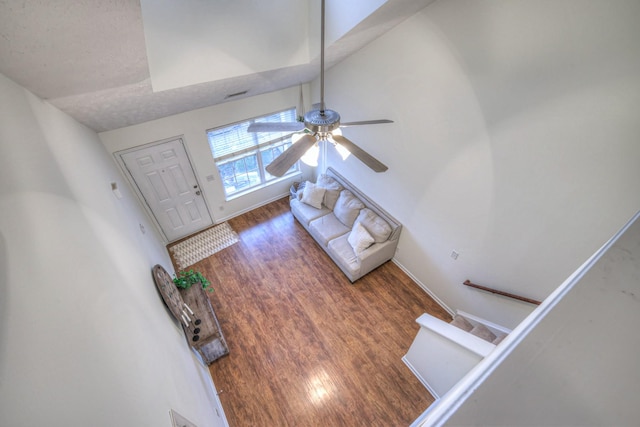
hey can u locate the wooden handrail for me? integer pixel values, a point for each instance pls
(506, 294)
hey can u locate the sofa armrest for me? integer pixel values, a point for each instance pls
(377, 254)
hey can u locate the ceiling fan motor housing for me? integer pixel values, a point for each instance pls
(322, 121)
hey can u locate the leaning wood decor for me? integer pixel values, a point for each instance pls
(206, 336)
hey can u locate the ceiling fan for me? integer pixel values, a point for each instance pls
(318, 125)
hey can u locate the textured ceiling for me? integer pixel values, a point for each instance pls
(89, 59)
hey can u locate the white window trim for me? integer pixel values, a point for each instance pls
(263, 185)
(253, 150)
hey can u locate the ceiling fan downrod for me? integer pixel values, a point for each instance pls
(322, 13)
(319, 125)
(321, 122)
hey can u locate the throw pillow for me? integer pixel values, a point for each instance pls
(359, 238)
(313, 195)
(347, 208)
(333, 188)
(325, 180)
(301, 189)
(379, 229)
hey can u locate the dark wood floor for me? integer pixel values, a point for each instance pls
(307, 347)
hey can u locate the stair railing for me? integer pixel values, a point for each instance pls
(505, 294)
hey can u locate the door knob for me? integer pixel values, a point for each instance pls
(198, 193)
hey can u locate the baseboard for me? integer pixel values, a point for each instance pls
(425, 288)
(419, 377)
(218, 404)
(250, 208)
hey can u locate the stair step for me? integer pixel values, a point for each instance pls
(483, 332)
(462, 323)
(479, 330)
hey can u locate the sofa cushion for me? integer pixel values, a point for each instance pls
(313, 195)
(341, 250)
(379, 229)
(306, 213)
(359, 238)
(333, 189)
(326, 228)
(347, 208)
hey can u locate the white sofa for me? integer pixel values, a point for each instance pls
(355, 232)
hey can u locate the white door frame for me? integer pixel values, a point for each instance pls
(134, 186)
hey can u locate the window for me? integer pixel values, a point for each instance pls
(242, 156)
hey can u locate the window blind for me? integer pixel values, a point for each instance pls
(233, 140)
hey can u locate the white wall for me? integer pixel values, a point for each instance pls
(514, 142)
(194, 42)
(84, 336)
(578, 367)
(192, 127)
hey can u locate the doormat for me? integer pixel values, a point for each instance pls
(203, 245)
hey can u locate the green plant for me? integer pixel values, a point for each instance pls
(184, 280)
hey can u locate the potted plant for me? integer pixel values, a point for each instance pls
(185, 279)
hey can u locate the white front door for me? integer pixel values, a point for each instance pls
(163, 174)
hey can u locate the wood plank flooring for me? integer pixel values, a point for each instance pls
(307, 347)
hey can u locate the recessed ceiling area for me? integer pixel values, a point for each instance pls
(116, 63)
(191, 41)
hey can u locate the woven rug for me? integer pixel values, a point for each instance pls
(203, 245)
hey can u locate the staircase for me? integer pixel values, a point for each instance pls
(442, 353)
(480, 328)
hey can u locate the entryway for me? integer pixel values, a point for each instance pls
(165, 180)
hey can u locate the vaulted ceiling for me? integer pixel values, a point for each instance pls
(106, 66)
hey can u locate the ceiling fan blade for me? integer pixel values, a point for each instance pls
(276, 127)
(364, 157)
(365, 122)
(281, 164)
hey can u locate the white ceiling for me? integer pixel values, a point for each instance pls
(89, 58)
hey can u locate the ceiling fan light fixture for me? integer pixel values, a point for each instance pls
(320, 125)
(310, 158)
(343, 152)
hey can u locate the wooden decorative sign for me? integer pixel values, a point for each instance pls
(169, 292)
(192, 308)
